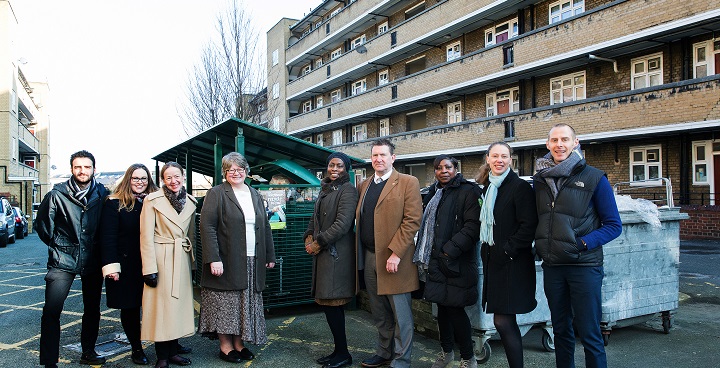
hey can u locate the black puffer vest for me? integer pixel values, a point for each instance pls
(566, 218)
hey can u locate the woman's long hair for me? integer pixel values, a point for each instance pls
(123, 192)
(483, 177)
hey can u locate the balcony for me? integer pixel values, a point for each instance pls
(540, 52)
(664, 110)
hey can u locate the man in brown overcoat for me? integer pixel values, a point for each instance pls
(388, 216)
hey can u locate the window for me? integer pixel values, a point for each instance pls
(706, 58)
(335, 12)
(307, 106)
(276, 124)
(318, 24)
(416, 170)
(335, 96)
(645, 163)
(359, 175)
(454, 112)
(565, 9)
(501, 32)
(647, 71)
(307, 69)
(318, 62)
(415, 65)
(320, 139)
(337, 137)
(567, 88)
(13, 100)
(359, 132)
(336, 54)
(275, 57)
(416, 120)
(319, 102)
(490, 104)
(384, 128)
(382, 28)
(383, 77)
(308, 139)
(29, 161)
(454, 51)
(357, 42)
(359, 87)
(415, 10)
(508, 55)
(702, 162)
(276, 91)
(502, 102)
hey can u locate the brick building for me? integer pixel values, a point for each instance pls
(639, 81)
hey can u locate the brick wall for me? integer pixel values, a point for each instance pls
(704, 222)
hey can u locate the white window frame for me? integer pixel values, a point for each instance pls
(492, 33)
(335, 96)
(335, 12)
(383, 77)
(319, 102)
(490, 105)
(276, 91)
(453, 51)
(337, 137)
(275, 57)
(276, 124)
(384, 127)
(565, 9)
(561, 85)
(709, 63)
(320, 140)
(359, 132)
(357, 42)
(307, 106)
(336, 53)
(646, 163)
(491, 100)
(318, 62)
(454, 112)
(359, 86)
(307, 69)
(359, 175)
(647, 62)
(382, 28)
(704, 163)
(308, 139)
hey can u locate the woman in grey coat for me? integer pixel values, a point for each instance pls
(237, 247)
(331, 240)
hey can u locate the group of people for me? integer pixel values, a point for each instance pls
(138, 239)
(406, 244)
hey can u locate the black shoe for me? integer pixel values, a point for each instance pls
(179, 360)
(90, 357)
(139, 357)
(339, 363)
(233, 356)
(162, 364)
(246, 354)
(326, 359)
(375, 361)
(183, 349)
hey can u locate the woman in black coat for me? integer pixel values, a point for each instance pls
(120, 252)
(508, 220)
(446, 255)
(331, 240)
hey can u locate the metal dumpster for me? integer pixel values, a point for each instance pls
(642, 271)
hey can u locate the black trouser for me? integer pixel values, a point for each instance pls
(166, 349)
(130, 319)
(454, 326)
(57, 287)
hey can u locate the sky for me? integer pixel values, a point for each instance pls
(117, 70)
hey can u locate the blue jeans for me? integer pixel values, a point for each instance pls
(574, 296)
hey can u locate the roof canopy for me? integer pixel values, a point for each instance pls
(268, 152)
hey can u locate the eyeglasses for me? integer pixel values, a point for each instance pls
(235, 171)
(139, 180)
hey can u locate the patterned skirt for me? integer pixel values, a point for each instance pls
(234, 312)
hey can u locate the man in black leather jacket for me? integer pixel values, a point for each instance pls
(67, 221)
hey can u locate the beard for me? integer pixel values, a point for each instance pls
(83, 182)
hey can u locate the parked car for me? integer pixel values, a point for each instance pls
(21, 223)
(7, 223)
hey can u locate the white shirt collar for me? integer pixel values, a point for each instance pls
(379, 179)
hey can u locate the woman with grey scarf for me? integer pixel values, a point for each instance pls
(446, 257)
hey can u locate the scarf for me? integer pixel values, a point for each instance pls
(177, 200)
(328, 186)
(556, 174)
(487, 217)
(426, 237)
(139, 196)
(81, 194)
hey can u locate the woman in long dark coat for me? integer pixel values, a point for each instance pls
(120, 252)
(508, 220)
(237, 248)
(331, 239)
(446, 256)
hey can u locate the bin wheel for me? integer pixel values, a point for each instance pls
(547, 341)
(483, 355)
(606, 338)
(666, 322)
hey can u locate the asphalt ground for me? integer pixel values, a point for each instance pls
(299, 335)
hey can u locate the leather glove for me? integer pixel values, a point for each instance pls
(151, 279)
